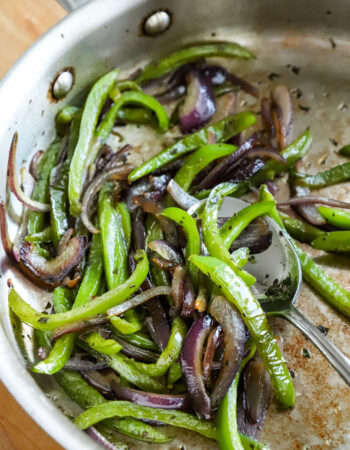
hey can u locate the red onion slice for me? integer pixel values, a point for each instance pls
(199, 104)
(5, 237)
(177, 285)
(181, 197)
(33, 167)
(189, 298)
(213, 340)
(117, 173)
(191, 364)
(243, 84)
(14, 183)
(179, 402)
(282, 114)
(167, 251)
(138, 300)
(313, 200)
(138, 354)
(234, 340)
(100, 439)
(51, 273)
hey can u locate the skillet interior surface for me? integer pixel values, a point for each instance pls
(303, 45)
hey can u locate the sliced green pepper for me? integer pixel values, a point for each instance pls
(211, 234)
(222, 131)
(335, 175)
(126, 222)
(63, 347)
(82, 155)
(180, 57)
(169, 355)
(193, 245)
(226, 419)
(106, 346)
(123, 365)
(100, 304)
(41, 188)
(345, 151)
(59, 178)
(198, 160)
(86, 396)
(334, 241)
(93, 273)
(139, 340)
(300, 230)
(336, 217)
(237, 223)
(63, 119)
(133, 97)
(126, 409)
(42, 236)
(115, 255)
(240, 257)
(237, 292)
(139, 116)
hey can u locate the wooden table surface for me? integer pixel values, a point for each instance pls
(21, 23)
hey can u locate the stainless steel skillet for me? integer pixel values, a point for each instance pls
(292, 41)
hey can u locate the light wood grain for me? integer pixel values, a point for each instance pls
(21, 23)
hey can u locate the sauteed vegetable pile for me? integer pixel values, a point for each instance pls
(155, 319)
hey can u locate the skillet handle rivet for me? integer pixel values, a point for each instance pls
(63, 84)
(157, 23)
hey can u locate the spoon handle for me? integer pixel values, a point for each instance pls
(335, 357)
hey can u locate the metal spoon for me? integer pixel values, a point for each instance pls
(280, 262)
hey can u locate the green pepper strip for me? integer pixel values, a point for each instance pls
(175, 373)
(169, 355)
(93, 273)
(334, 241)
(345, 151)
(335, 175)
(154, 231)
(115, 252)
(237, 223)
(42, 236)
(126, 409)
(222, 131)
(106, 346)
(240, 257)
(125, 367)
(336, 217)
(100, 304)
(59, 178)
(300, 230)
(211, 234)
(63, 347)
(139, 340)
(139, 116)
(41, 188)
(226, 420)
(126, 222)
(86, 396)
(206, 50)
(198, 160)
(113, 241)
(237, 292)
(315, 276)
(82, 153)
(141, 98)
(193, 246)
(63, 119)
(291, 155)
